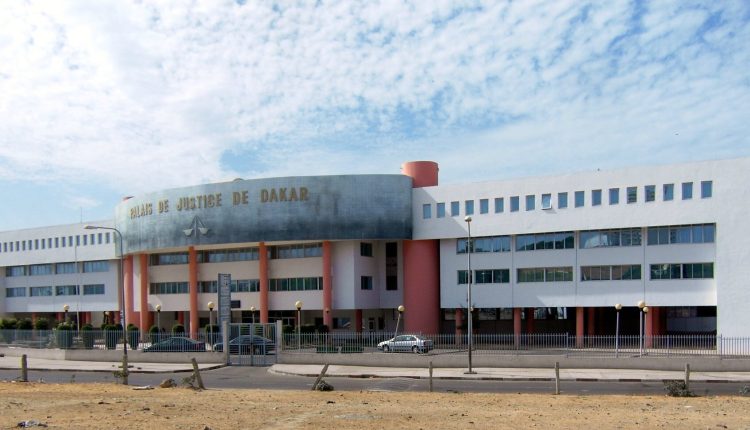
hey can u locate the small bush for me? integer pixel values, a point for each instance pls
(178, 329)
(745, 390)
(24, 324)
(677, 389)
(9, 324)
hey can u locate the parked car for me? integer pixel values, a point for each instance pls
(247, 343)
(406, 343)
(176, 344)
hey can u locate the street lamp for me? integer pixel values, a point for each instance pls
(106, 317)
(644, 343)
(468, 288)
(122, 300)
(66, 308)
(252, 312)
(298, 305)
(158, 318)
(401, 310)
(641, 306)
(211, 321)
(618, 307)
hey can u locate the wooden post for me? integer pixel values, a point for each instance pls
(24, 369)
(557, 377)
(197, 374)
(125, 369)
(430, 376)
(687, 376)
(320, 376)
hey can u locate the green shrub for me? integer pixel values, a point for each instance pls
(88, 336)
(677, 388)
(41, 324)
(134, 335)
(24, 324)
(112, 335)
(64, 335)
(178, 329)
(9, 324)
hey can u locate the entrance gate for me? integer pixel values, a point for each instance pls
(252, 344)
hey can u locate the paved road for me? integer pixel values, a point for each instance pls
(261, 378)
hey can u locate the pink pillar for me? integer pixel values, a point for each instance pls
(649, 328)
(328, 286)
(146, 316)
(193, 285)
(517, 325)
(529, 320)
(357, 320)
(263, 276)
(459, 326)
(579, 327)
(181, 318)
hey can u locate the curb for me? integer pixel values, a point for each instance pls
(114, 368)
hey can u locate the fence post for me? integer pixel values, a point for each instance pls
(687, 376)
(430, 376)
(720, 345)
(557, 377)
(320, 376)
(197, 374)
(24, 369)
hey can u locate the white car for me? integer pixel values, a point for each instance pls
(406, 343)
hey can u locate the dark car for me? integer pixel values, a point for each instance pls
(176, 344)
(247, 343)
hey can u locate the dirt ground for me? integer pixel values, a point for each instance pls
(109, 406)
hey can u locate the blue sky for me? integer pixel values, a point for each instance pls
(99, 100)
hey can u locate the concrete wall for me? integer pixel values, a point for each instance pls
(113, 355)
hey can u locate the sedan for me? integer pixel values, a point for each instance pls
(176, 344)
(406, 343)
(244, 344)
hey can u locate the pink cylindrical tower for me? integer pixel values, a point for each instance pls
(421, 264)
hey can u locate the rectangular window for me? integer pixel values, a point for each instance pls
(95, 266)
(229, 255)
(15, 271)
(40, 269)
(85, 240)
(469, 206)
(650, 192)
(66, 290)
(366, 283)
(484, 244)
(36, 243)
(441, 210)
(514, 204)
(562, 200)
(545, 274)
(698, 233)
(78, 240)
(462, 277)
(499, 205)
(484, 206)
(530, 203)
(169, 288)
(546, 201)
(579, 199)
(492, 276)
(57, 242)
(93, 289)
(632, 193)
(61, 268)
(99, 238)
(15, 292)
(426, 211)
(706, 189)
(40, 291)
(365, 249)
(455, 209)
(106, 236)
(614, 196)
(530, 242)
(169, 258)
(391, 266)
(668, 191)
(687, 190)
(682, 271)
(596, 197)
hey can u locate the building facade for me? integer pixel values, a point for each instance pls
(545, 255)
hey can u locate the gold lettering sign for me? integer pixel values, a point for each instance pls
(290, 194)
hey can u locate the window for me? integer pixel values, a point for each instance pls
(545, 274)
(66, 290)
(391, 266)
(455, 209)
(93, 289)
(492, 276)
(306, 250)
(579, 199)
(614, 196)
(546, 201)
(469, 206)
(441, 210)
(614, 273)
(40, 269)
(632, 193)
(698, 233)
(650, 192)
(609, 238)
(484, 244)
(530, 242)
(295, 284)
(562, 200)
(85, 240)
(462, 277)
(15, 292)
(682, 271)
(169, 288)
(426, 211)
(687, 190)
(366, 283)
(514, 204)
(106, 236)
(484, 206)
(596, 197)
(499, 205)
(229, 255)
(668, 191)
(706, 189)
(530, 203)
(95, 266)
(169, 258)
(40, 291)
(365, 249)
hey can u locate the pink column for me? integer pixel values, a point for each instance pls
(459, 326)
(193, 285)
(529, 320)
(263, 279)
(579, 327)
(146, 316)
(328, 286)
(357, 320)
(517, 325)
(649, 328)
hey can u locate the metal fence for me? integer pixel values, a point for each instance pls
(510, 344)
(109, 339)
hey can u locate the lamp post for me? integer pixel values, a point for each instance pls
(122, 300)
(401, 310)
(158, 318)
(211, 321)
(468, 288)
(106, 317)
(298, 305)
(618, 307)
(641, 305)
(645, 312)
(65, 309)
(252, 312)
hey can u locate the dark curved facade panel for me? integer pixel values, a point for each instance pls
(272, 209)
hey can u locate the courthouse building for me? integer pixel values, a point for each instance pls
(550, 254)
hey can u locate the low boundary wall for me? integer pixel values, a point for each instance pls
(134, 356)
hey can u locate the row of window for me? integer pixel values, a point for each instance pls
(59, 290)
(56, 242)
(591, 273)
(579, 199)
(241, 254)
(236, 286)
(58, 268)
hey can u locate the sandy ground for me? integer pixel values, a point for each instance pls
(109, 406)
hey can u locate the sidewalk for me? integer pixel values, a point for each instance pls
(13, 363)
(510, 374)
